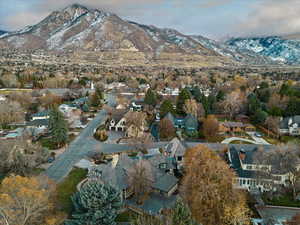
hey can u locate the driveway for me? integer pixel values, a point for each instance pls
(258, 140)
(231, 139)
(114, 136)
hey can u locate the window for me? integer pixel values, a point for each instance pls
(249, 167)
(179, 158)
(163, 166)
(244, 182)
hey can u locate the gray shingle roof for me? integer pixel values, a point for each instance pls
(175, 148)
(37, 123)
(165, 183)
(154, 204)
(284, 123)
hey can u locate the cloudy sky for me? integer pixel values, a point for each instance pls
(212, 18)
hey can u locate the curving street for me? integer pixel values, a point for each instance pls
(81, 146)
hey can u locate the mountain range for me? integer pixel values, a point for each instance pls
(79, 28)
(2, 32)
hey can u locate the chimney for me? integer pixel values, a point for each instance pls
(114, 161)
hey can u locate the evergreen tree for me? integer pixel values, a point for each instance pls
(293, 107)
(58, 127)
(253, 104)
(220, 96)
(150, 98)
(166, 107)
(259, 117)
(183, 95)
(95, 204)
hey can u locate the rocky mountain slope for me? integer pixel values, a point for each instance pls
(79, 27)
(241, 55)
(107, 37)
(2, 32)
(285, 50)
(104, 37)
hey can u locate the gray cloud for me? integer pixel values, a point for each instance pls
(41, 9)
(271, 17)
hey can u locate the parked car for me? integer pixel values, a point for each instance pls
(258, 134)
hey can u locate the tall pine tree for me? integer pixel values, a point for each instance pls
(58, 127)
(150, 98)
(95, 204)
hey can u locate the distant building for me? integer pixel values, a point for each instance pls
(41, 115)
(290, 125)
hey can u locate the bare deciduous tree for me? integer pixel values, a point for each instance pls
(233, 103)
(11, 111)
(140, 178)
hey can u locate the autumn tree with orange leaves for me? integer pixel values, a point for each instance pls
(295, 220)
(27, 201)
(208, 189)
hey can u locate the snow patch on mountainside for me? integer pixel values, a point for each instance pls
(277, 48)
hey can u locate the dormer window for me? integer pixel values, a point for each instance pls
(163, 165)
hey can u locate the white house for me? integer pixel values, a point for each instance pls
(66, 109)
(290, 125)
(2, 98)
(41, 115)
(242, 161)
(118, 121)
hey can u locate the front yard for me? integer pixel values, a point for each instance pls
(68, 187)
(284, 200)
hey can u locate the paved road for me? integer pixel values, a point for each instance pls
(81, 146)
(76, 150)
(258, 140)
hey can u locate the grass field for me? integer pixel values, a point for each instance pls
(68, 187)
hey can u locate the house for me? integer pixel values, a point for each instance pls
(117, 174)
(117, 120)
(19, 132)
(178, 122)
(37, 127)
(2, 98)
(80, 101)
(235, 127)
(176, 149)
(241, 160)
(137, 129)
(274, 215)
(41, 115)
(190, 124)
(67, 109)
(39, 123)
(136, 106)
(290, 125)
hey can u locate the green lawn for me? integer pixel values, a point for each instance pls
(285, 200)
(287, 139)
(47, 143)
(68, 187)
(240, 142)
(125, 216)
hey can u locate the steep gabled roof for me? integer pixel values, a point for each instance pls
(118, 114)
(176, 148)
